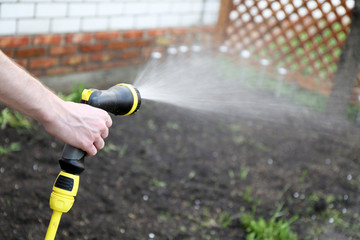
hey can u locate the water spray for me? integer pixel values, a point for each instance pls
(282, 72)
(121, 99)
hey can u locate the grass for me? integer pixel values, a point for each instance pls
(14, 119)
(12, 147)
(74, 95)
(275, 228)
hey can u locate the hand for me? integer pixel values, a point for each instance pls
(80, 126)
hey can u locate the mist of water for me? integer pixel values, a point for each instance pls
(191, 78)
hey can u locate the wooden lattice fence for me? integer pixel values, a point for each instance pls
(303, 36)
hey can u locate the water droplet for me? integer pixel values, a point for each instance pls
(35, 167)
(264, 62)
(184, 49)
(270, 161)
(302, 196)
(122, 230)
(16, 186)
(331, 220)
(245, 54)
(156, 55)
(53, 144)
(2, 170)
(172, 51)
(282, 71)
(349, 177)
(296, 195)
(313, 217)
(151, 235)
(344, 210)
(331, 205)
(197, 202)
(328, 161)
(346, 197)
(145, 197)
(223, 49)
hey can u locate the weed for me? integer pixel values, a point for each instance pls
(243, 173)
(156, 184)
(172, 126)
(192, 175)
(74, 95)
(225, 219)
(273, 229)
(13, 119)
(13, 147)
(121, 150)
(231, 173)
(303, 176)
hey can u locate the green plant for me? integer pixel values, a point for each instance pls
(12, 118)
(74, 95)
(225, 219)
(273, 229)
(303, 176)
(13, 147)
(243, 172)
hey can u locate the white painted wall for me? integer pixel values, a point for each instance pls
(62, 16)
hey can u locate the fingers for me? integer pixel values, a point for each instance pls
(91, 151)
(99, 143)
(104, 133)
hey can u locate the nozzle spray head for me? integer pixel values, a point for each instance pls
(122, 99)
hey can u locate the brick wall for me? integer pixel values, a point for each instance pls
(56, 54)
(56, 37)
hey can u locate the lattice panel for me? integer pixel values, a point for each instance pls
(302, 36)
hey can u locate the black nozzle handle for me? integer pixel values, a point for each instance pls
(72, 160)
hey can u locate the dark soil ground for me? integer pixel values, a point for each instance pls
(168, 173)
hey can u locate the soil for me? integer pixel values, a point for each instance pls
(169, 173)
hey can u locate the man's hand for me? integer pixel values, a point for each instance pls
(80, 126)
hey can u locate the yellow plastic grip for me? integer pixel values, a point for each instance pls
(85, 95)
(135, 96)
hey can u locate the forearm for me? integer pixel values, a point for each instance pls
(79, 125)
(22, 92)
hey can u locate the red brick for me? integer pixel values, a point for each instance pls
(157, 32)
(137, 61)
(118, 45)
(30, 52)
(102, 57)
(36, 73)
(142, 43)
(90, 67)
(59, 71)
(8, 52)
(43, 63)
(133, 34)
(78, 37)
(47, 39)
(178, 31)
(22, 62)
(107, 35)
(74, 60)
(130, 54)
(91, 47)
(14, 41)
(62, 50)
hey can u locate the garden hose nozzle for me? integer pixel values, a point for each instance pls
(121, 99)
